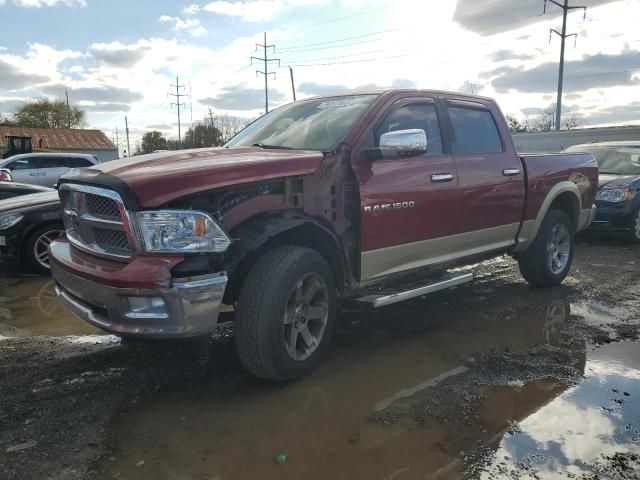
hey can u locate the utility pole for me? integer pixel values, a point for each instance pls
(66, 94)
(266, 71)
(211, 117)
(191, 104)
(563, 36)
(293, 85)
(117, 142)
(126, 126)
(178, 104)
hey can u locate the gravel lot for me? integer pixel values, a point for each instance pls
(490, 379)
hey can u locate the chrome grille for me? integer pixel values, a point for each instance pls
(102, 206)
(110, 238)
(95, 220)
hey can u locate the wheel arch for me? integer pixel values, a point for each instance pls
(264, 232)
(564, 196)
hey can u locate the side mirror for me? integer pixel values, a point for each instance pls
(404, 143)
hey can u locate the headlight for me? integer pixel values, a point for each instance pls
(181, 231)
(613, 195)
(9, 221)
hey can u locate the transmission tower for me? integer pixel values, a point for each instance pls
(563, 36)
(178, 104)
(266, 71)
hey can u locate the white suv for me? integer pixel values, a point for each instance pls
(45, 168)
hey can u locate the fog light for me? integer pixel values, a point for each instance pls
(147, 307)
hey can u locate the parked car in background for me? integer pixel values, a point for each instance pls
(5, 175)
(14, 189)
(363, 196)
(45, 168)
(28, 224)
(618, 199)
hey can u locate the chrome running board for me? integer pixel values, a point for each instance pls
(442, 282)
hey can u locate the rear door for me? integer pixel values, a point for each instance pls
(52, 168)
(24, 170)
(409, 205)
(490, 177)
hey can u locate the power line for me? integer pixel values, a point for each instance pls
(563, 36)
(266, 71)
(178, 104)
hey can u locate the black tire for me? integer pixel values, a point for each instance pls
(266, 296)
(534, 262)
(633, 235)
(29, 256)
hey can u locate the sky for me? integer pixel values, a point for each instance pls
(119, 57)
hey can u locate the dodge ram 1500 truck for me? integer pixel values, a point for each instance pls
(368, 197)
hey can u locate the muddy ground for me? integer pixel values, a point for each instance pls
(493, 379)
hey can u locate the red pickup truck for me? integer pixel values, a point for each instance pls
(370, 197)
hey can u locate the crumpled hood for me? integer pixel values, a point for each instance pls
(26, 202)
(158, 178)
(617, 181)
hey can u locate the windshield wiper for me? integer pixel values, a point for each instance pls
(272, 147)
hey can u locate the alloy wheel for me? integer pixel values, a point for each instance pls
(305, 317)
(41, 247)
(558, 248)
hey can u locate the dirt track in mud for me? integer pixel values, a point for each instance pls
(491, 379)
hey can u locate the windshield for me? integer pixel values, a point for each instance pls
(308, 125)
(614, 160)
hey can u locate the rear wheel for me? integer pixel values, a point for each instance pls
(285, 313)
(634, 232)
(36, 248)
(548, 259)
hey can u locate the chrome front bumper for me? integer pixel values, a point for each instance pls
(186, 309)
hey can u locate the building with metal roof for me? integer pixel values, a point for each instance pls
(72, 140)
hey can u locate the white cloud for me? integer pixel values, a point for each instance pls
(191, 9)
(256, 10)
(48, 3)
(190, 25)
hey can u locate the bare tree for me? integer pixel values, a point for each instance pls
(572, 122)
(228, 125)
(548, 120)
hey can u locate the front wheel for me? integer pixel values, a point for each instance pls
(285, 313)
(36, 247)
(548, 259)
(634, 232)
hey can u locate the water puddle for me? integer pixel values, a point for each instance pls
(402, 403)
(588, 430)
(28, 307)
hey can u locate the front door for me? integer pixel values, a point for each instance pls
(409, 205)
(490, 178)
(24, 170)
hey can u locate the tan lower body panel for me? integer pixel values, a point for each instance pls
(399, 258)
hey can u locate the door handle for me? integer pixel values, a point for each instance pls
(441, 177)
(35, 174)
(510, 172)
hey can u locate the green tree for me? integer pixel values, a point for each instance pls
(202, 135)
(152, 141)
(45, 113)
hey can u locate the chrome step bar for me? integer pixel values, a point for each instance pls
(445, 281)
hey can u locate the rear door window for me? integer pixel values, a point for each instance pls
(78, 162)
(474, 131)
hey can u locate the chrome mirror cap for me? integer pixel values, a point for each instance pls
(404, 142)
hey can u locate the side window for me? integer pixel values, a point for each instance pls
(78, 162)
(474, 131)
(54, 162)
(418, 115)
(22, 164)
